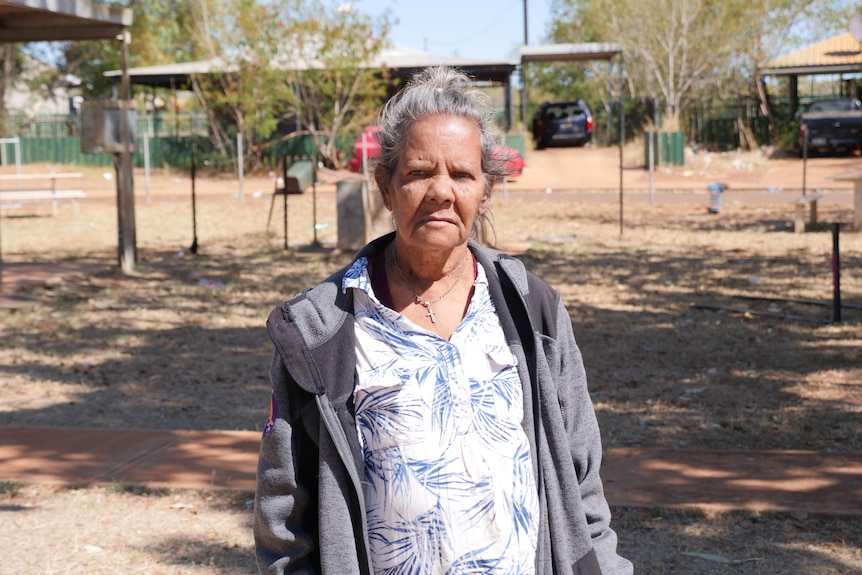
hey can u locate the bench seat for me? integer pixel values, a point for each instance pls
(809, 200)
(16, 198)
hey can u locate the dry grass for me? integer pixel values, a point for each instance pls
(180, 344)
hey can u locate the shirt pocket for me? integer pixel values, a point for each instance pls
(499, 357)
(499, 375)
(391, 414)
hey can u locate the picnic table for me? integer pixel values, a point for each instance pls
(15, 197)
(856, 178)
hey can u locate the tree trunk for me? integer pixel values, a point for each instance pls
(7, 54)
(765, 105)
(747, 141)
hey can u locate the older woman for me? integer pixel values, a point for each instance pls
(430, 412)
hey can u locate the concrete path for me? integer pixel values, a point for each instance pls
(797, 481)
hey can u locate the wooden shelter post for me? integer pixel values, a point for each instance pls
(127, 251)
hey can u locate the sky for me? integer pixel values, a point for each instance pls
(487, 29)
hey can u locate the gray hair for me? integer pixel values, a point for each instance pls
(438, 91)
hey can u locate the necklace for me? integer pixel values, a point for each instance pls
(425, 303)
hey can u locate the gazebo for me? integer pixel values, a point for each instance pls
(840, 54)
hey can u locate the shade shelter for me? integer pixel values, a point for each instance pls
(60, 20)
(580, 52)
(840, 54)
(400, 61)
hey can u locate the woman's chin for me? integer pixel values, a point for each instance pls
(439, 235)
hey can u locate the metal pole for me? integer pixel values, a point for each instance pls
(18, 160)
(147, 164)
(194, 247)
(804, 155)
(836, 274)
(622, 131)
(364, 153)
(240, 162)
(284, 183)
(524, 96)
(652, 137)
(313, 199)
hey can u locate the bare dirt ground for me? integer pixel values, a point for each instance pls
(180, 344)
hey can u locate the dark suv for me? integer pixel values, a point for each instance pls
(562, 124)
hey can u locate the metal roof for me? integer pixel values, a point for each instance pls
(55, 20)
(569, 52)
(171, 75)
(837, 55)
(400, 61)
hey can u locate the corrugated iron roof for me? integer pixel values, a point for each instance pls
(569, 52)
(394, 57)
(839, 54)
(51, 20)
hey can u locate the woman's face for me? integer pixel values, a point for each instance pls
(437, 189)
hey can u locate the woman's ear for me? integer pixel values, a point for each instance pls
(381, 178)
(489, 185)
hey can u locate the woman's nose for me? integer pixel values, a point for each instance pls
(441, 188)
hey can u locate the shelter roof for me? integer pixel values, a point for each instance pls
(836, 55)
(401, 61)
(570, 52)
(55, 20)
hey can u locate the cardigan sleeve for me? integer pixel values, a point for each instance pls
(283, 544)
(586, 447)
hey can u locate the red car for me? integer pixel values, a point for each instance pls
(372, 148)
(514, 161)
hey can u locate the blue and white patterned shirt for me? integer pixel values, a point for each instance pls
(450, 486)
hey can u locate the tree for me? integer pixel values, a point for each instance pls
(332, 83)
(288, 59)
(237, 36)
(673, 48)
(775, 26)
(10, 55)
(273, 60)
(683, 51)
(592, 81)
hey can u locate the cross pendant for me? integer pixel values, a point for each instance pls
(430, 311)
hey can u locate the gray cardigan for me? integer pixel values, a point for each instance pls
(309, 514)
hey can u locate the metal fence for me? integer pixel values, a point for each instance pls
(173, 138)
(164, 124)
(720, 126)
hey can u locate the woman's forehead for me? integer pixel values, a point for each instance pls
(443, 130)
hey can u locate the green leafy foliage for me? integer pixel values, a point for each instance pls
(288, 68)
(332, 83)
